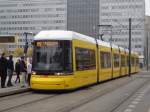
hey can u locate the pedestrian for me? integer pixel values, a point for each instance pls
(17, 70)
(10, 70)
(3, 69)
(29, 69)
(23, 70)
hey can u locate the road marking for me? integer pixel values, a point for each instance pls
(142, 92)
(149, 110)
(135, 102)
(137, 99)
(140, 96)
(128, 110)
(131, 106)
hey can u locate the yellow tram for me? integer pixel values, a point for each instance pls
(65, 60)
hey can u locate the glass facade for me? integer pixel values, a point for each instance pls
(83, 16)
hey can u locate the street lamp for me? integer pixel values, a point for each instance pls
(109, 26)
(130, 33)
(101, 36)
(26, 42)
(147, 50)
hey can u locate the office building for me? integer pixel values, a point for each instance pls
(83, 16)
(117, 14)
(19, 16)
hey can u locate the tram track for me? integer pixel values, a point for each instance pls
(27, 103)
(128, 97)
(14, 96)
(69, 107)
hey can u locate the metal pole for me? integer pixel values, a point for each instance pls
(111, 35)
(101, 35)
(129, 47)
(147, 50)
(26, 44)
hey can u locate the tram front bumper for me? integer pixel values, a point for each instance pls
(50, 83)
(47, 83)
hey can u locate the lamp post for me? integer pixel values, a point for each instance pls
(109, 26)
(147, 50)
(26, 42)
(129, 47)
(101, 36)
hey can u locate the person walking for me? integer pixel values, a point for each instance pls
(23, 70)
(10, 70)
(3, 69)
(29, 70)
(17, 70)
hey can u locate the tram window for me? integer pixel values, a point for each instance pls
(85, 59)
(127, 60)
(137, 61)
(105, 60)
(132, 61)
(123, 61)
(42, 56)
(116, 60)
(52, 56)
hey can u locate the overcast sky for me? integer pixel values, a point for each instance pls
(147, 2)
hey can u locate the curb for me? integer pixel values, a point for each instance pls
(14, 91)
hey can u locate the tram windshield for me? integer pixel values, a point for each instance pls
(52, 56)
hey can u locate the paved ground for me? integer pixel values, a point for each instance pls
(16, 88)
(120, 95)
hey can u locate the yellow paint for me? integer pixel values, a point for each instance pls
(84, 77)
(123, 69)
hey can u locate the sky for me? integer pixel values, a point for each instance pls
(147, 4)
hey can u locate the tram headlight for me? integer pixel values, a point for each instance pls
(33, 73)
(59, 74)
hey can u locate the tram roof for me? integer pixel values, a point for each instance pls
(67, 35)
(115, 46)
(70, 35)
(62, 35)
(103, 43)
(122, 49)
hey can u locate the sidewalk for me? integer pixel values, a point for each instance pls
(15, 89)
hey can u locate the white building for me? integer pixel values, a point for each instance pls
(117, 14)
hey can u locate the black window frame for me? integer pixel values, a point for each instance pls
(105, 63)
(83, 64)
(123, 60)
(46, 72)
(116, 62)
